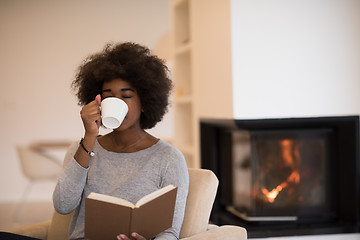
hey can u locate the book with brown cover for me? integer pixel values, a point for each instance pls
(107, 216)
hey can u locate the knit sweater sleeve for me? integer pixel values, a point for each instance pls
(69, 188)
(176, 174)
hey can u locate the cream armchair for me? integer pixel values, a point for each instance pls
(202, 192)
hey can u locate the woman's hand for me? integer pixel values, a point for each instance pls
(90, 115)
(134, 235)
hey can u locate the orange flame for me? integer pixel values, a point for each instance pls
(270, 196)
(294, 177)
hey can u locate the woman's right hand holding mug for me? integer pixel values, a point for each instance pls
(90, 115)
(91, 118)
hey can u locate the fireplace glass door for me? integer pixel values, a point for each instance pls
(284, 175)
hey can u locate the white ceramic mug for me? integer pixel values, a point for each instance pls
(113, 112)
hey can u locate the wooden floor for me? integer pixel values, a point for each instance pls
(30, 212)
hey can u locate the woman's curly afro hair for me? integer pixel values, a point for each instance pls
(132, 63)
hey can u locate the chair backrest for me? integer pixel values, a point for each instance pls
(37, 166)
(202, 191)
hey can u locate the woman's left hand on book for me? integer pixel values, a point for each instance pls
(134, 235)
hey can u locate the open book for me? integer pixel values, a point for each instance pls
(107, 216)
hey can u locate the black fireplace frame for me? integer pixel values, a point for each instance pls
(215, 145)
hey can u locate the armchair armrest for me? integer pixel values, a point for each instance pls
(226, 232)
(36, 230)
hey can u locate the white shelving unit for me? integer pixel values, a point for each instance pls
(183, 104)
(201, 69)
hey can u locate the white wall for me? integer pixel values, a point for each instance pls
(42, 43)
(295, 58)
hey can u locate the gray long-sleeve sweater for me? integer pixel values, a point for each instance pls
(126, 175)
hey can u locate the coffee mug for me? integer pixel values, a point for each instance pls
(113, 112)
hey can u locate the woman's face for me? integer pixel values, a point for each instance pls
(121, 89)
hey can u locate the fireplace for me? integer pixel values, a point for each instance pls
(281, 177)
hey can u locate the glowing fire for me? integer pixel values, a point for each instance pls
(291, 157)
(270, 196)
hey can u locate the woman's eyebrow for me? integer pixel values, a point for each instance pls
(122, 90)
(127, 89)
